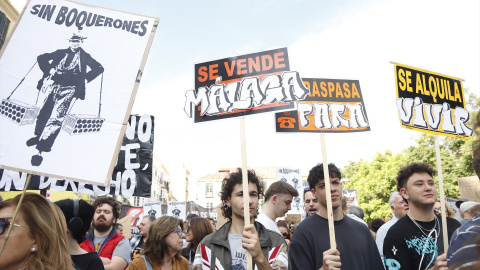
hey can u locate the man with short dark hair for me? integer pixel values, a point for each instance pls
(112, 247)
(278, 201)
(399, 210)
(226, 248)
(416, 241)
(137, 242)
(310, 202)
(310, 246)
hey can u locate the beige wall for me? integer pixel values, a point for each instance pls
(11, 13)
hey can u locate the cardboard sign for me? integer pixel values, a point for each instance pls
(69, 75)
(332, 106)
(132, 175)
(431, 102)
(294, 178)
(243, 85)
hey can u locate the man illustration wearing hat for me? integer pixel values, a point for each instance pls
(65, 73)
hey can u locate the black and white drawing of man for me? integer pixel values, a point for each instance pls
(176, 212)
(65, 73)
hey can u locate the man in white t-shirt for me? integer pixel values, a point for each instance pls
(278, 200)
(399, 209)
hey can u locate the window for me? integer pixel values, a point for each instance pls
(136, 201)
(209, 190)
(209, 205)
(4, 23)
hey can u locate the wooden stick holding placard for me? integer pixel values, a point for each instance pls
(442, 194)
(246, 197)
(328, 194)
(15, 213)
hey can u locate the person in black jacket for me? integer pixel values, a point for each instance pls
(65, 73)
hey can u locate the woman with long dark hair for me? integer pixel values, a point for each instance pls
(196, 231)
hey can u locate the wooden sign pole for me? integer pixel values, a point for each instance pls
(246, 196)
(442, 194)
(15, 213)
(326, 173)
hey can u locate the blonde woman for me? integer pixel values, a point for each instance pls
(163, 246)
(38, 236)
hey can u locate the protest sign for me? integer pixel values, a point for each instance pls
(153, 209)
(176, 209)
(294, 178)
(431, 102)
(135, 213)
(69, 79)
(350, 196)
(132, 175)
(332, 106)
(244, 85)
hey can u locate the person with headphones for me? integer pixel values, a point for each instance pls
(79, 215)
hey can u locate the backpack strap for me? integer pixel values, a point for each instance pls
(149, 266)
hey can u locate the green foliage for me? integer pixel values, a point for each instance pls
(375, 180)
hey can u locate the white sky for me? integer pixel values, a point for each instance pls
(325, 39)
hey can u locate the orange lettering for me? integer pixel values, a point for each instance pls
(203, 74)
(241, 66)
(265, 65)
(279, 60)
(331, 88)
(229, 69)
(254, 64)
(213, 70)
(338, 91)
(323, 86)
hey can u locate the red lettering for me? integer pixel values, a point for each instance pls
(213, 71)
(267, 66)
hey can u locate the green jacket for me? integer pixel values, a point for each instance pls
(216, 245)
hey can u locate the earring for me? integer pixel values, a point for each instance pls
(33, 249)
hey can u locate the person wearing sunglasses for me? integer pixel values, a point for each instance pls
(162, 247)
(284, 230)
(37, 237)
(196, 231)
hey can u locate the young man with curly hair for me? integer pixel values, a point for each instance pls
(226, 248)
(415, 241)
(310, 246)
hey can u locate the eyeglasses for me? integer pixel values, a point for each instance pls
(180, 232)
(437, 210)
(4, 224)
(285, 234)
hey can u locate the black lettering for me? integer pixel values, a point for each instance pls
(48, 12)
(35, 10)
(135, 27)
(127, 25)
(117, 24)
(71, 17)
(90, 20)
(80, 21)
(61, 15)
(108, 22)
(144, 28)
(41, 11)
(100, 20)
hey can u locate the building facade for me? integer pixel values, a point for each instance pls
(8, 16)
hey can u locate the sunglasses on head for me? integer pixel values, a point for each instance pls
(4, 224)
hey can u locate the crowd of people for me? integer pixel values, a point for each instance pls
(72, 234)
